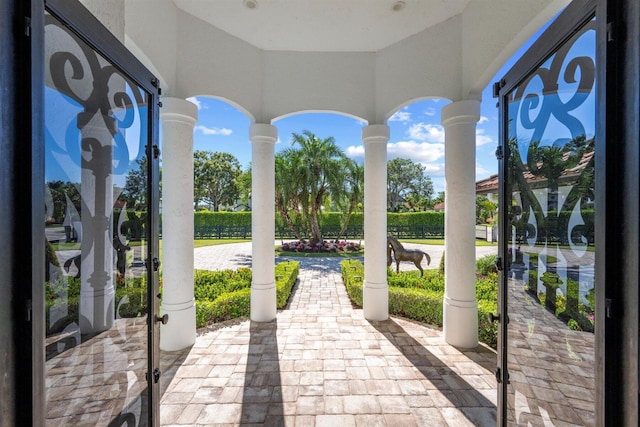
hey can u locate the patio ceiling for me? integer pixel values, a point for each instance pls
(323, 25)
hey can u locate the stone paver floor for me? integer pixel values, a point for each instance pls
(320, 363)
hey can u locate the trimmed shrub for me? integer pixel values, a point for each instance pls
(487, 331)
(225, 295)
(486, 265)
(421, 298)
(353, 276)
(286, 276)
(423, 305)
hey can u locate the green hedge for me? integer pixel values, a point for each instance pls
(421, 298)
(352, 277)
(328, 219)
(224, 295)
(411, 219)
(229, 219)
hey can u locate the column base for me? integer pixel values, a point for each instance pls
(263, 302)
(460, 323)
(180, 330)
(375, 301)
(97, 313)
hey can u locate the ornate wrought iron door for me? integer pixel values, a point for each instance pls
(101, 210)
(547, 295)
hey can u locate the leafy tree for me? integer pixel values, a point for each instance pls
(308, 173)
(407, 183)
(438, 199)
(58, 190)
(135, 187)
(244, 189)
(215, 178)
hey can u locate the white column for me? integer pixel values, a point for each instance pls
(263, 286)
(178, 117)
(97, 293)
(460, 316)
(375, 294)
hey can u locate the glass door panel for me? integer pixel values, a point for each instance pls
(550, 248)
(96, 194)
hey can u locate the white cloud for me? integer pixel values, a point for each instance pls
(429, 155)
(401, 116)
(355, 151)
(482, 138)
(213, 131)
(430, 111)
(421, 152)
(426, 132)
(434, 169)
(196, 101)
(483, 119)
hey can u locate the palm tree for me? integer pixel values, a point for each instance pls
(354, 191)
(305, 176)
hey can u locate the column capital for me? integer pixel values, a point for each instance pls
(375, 133)
(467, 111)
(178, 110)
(263, 132)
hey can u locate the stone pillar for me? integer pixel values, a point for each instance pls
(178, 118)
(460, 314)
(375, 294)
(263, 286)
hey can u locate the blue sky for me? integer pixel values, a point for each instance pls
(416, 132)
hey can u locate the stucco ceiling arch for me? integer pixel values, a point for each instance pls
(442, 102)
(238, 106)
(361, 120)
(453, 57)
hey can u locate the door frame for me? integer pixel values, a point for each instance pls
(558, 32)
(617, 148)
(23, 31)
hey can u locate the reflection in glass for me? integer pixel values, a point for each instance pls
(96, 280)
(550, 185)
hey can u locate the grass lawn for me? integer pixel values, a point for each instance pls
(213, 242)
(441, 242)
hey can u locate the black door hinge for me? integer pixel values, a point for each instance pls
(498, 373)
(156, 264)
(608, 312)
(499, 152)
(610, 32)
(28, 306)
(156, 375)
(497, 86)
(156, 152)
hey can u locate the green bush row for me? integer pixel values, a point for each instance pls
(328, 219)
(63, 295)
(225, 295)
(421, 298)
(219, 295)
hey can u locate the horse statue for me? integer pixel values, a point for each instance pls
(402, 254)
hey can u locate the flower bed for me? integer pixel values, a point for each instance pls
(328, 246)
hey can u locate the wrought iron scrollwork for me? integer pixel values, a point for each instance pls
(546, 104)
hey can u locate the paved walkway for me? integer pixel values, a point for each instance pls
(320, 363)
